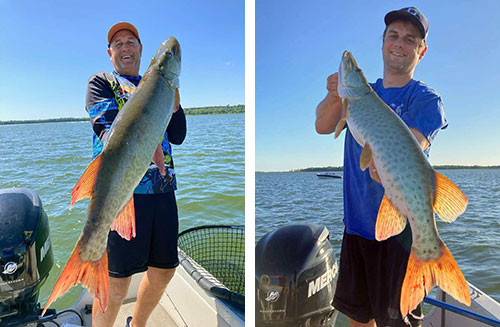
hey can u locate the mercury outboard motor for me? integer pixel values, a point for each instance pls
(25, 255)
(296, 276)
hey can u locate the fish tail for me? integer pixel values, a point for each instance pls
(422, 275)
(91, 274)
(124, 223)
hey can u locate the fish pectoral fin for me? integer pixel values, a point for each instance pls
(374, 174)
(84, 188)
(124, 223)
(366, 160)
(450, 202)
(91, 274)
(390, 221)
(422, 275)
(343, 119)
(366, 157)
(159, 160)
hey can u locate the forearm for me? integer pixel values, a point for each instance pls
(421, 139)
(328, 114)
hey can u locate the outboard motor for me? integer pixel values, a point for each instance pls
(25, 255)
(296, 277)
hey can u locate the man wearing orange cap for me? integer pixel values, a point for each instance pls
(154, 249)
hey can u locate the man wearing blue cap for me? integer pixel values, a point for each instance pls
(371, 272)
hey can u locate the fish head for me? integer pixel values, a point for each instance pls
(168, 59)
(352, 82)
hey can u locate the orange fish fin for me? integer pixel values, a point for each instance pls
(159, 160)
(450, 202)
(85, 185)
(91, 274)
(366, 157)
(124, 223)
(343, 120)
(389, 221)
(422, 275)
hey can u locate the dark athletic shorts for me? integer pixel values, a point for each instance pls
(370, 277)
(155, 244)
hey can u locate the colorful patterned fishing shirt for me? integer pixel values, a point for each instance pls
(107, 93)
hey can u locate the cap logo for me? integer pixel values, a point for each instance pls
(414, 11)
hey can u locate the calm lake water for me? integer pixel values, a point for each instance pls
(49, 158)
(474, 238)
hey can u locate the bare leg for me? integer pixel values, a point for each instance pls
(150, 291)
(354, 323)
(118, 288)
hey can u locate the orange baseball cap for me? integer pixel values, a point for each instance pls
(122, 26)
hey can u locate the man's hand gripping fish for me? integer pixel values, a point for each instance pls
(111, 178)
(413, 189)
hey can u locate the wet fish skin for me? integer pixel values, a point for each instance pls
(413, 189)
(111, 178)
(135, 134)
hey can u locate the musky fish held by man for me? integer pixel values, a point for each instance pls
(111, 178)
(413, 189)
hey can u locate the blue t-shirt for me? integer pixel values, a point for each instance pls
(420, 107)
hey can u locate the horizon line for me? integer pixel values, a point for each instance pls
(341, 168)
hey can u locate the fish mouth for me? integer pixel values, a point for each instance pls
(169, 60)
(345, 69)
(352, 82)
(176, 49)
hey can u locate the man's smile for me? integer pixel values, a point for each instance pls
(397, 53)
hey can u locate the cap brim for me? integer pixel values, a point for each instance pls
(122, 26)
(405, 16)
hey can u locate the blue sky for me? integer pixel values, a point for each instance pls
(51, 48)
(298, 44)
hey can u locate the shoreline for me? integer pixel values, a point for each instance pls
(197, 111)
(337, 169)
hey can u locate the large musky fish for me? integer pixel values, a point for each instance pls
(111, 178)
(413, 189)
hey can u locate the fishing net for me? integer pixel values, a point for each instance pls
(215, 257)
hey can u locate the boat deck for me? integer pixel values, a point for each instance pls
(159, 317)
(183, 304)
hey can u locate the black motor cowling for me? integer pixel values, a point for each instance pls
(296, 276)
(25, 254)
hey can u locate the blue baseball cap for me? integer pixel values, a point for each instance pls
(411, 14)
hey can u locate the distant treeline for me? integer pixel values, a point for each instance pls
(217, 110)
(239, 109)
(330, 168)
(465, 167)
(36, 121)
(320, 169)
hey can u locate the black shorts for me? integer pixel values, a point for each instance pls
(155, 244)
(370, 277)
